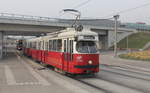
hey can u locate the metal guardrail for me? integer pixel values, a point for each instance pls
(26, 17)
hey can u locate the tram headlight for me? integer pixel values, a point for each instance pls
(90, 62)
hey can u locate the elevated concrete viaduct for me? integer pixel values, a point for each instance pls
(11, 24)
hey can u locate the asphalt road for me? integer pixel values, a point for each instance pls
(19, 74)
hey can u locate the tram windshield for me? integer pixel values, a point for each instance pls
(86, 47)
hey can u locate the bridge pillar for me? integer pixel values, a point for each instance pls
(1, 45)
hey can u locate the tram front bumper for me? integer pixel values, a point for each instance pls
(86, 66)
(86, 69)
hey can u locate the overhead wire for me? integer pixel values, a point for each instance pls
(77, 6)
(128, 10)
(120, 12)
(82, 4)
(111, 15)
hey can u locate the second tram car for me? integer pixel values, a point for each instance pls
(19, 45)
(70, 51)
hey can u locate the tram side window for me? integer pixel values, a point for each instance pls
(65, 50)
(43, 45)
(39, 45)
(59, 45)
(34, 45)
(54, 45)
(50, 44)
(26, 44)
(71, 46)
(46, 45)
(71, 50)
(29, 44)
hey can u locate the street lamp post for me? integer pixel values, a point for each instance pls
(116, 30)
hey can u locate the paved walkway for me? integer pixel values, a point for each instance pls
(109, 59)
(17, 76)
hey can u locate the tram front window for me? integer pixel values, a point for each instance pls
(86, 47)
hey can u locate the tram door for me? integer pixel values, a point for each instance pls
(68, 54)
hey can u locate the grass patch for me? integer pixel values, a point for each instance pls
(142, 55)
(135, 41)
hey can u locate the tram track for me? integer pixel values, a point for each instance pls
(125, 81)
(126, 75)
(78, 80)
(97, 87)
(130, 71)
(81, 82)
(120, 84)
(93, 86)
(124, 71)
(126, 68)
(103, 89)
(109, 88)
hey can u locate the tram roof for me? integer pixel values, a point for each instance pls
(69, 32)
(73, 32)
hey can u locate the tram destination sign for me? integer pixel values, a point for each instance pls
(89, 37)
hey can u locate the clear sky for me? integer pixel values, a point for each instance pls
(93, 9)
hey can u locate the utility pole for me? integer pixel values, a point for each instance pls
(116, 30)
(127, 43)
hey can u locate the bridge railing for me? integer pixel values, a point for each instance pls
(26, 17)
(52, 21)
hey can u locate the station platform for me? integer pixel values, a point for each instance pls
(17, 76)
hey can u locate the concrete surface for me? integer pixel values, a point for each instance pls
(19, 77)
(19, 74)
(109, 59)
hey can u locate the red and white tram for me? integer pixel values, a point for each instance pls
(70, 51)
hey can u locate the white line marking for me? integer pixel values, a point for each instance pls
(28, 83)
(9, 76)
(41, 80)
